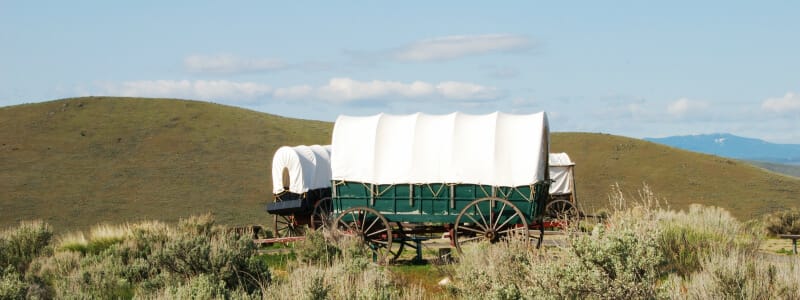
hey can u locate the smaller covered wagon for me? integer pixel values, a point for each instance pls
(563, 199)
(301, 186)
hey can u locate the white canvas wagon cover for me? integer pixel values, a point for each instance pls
(561, 173)
(309, 168)
(495, 149)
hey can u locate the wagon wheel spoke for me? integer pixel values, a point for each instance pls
(476, 222)
(491, 213)
(370, 225)
(376, 232)
(342, 224)
(480, 213)
(500, 214)
(473, 230)
(379, 242)
(507, 220)
(285, 226)
(356, 224)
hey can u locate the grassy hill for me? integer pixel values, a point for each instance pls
(680, 177)
(78, 162)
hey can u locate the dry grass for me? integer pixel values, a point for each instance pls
(738, 274)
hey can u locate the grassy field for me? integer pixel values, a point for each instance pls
(78, 162)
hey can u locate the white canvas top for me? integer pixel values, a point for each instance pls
(496, 149)
(561, 173)
(560, 160)
(309, 168)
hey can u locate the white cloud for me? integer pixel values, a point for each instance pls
(340, 90)
(685, 106)
(337, 90)
(788, 103)
(299, 91)
(465, 91)
(346, 89)
(226, 63)
(456, 46)
(198, 89)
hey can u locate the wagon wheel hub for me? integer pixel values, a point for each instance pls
(491, 235)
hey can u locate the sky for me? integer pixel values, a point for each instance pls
(631, 68)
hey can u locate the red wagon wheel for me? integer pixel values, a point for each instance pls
(491, 220)
(287, 226)
(320, 216)
(561, 209)
(372, 228)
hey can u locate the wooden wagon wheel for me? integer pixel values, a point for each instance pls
(400, 239)
(561, 209)
(321, 215)
(286, 226)
(369, 226)
(489, 219)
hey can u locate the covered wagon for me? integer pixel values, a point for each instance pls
(478, 177)
(563, 197)
(301, 186)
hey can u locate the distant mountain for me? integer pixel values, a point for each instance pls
(731, 146)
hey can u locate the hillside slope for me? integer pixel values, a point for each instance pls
(77, 162)
(676, 176)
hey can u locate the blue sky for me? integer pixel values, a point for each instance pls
(632, 68)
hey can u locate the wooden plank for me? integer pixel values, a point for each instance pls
(279, 240)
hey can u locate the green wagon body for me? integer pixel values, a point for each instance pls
(435, 203)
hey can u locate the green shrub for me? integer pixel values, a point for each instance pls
(149, 258)
(186, 254)
(70, 275)
(684, 248)
(783, 222)
(202, 287)
(315, 249)
(333, 269)
(688, 237)
(21, 244)
(608, 264)
(499, 271)
(11, 285)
